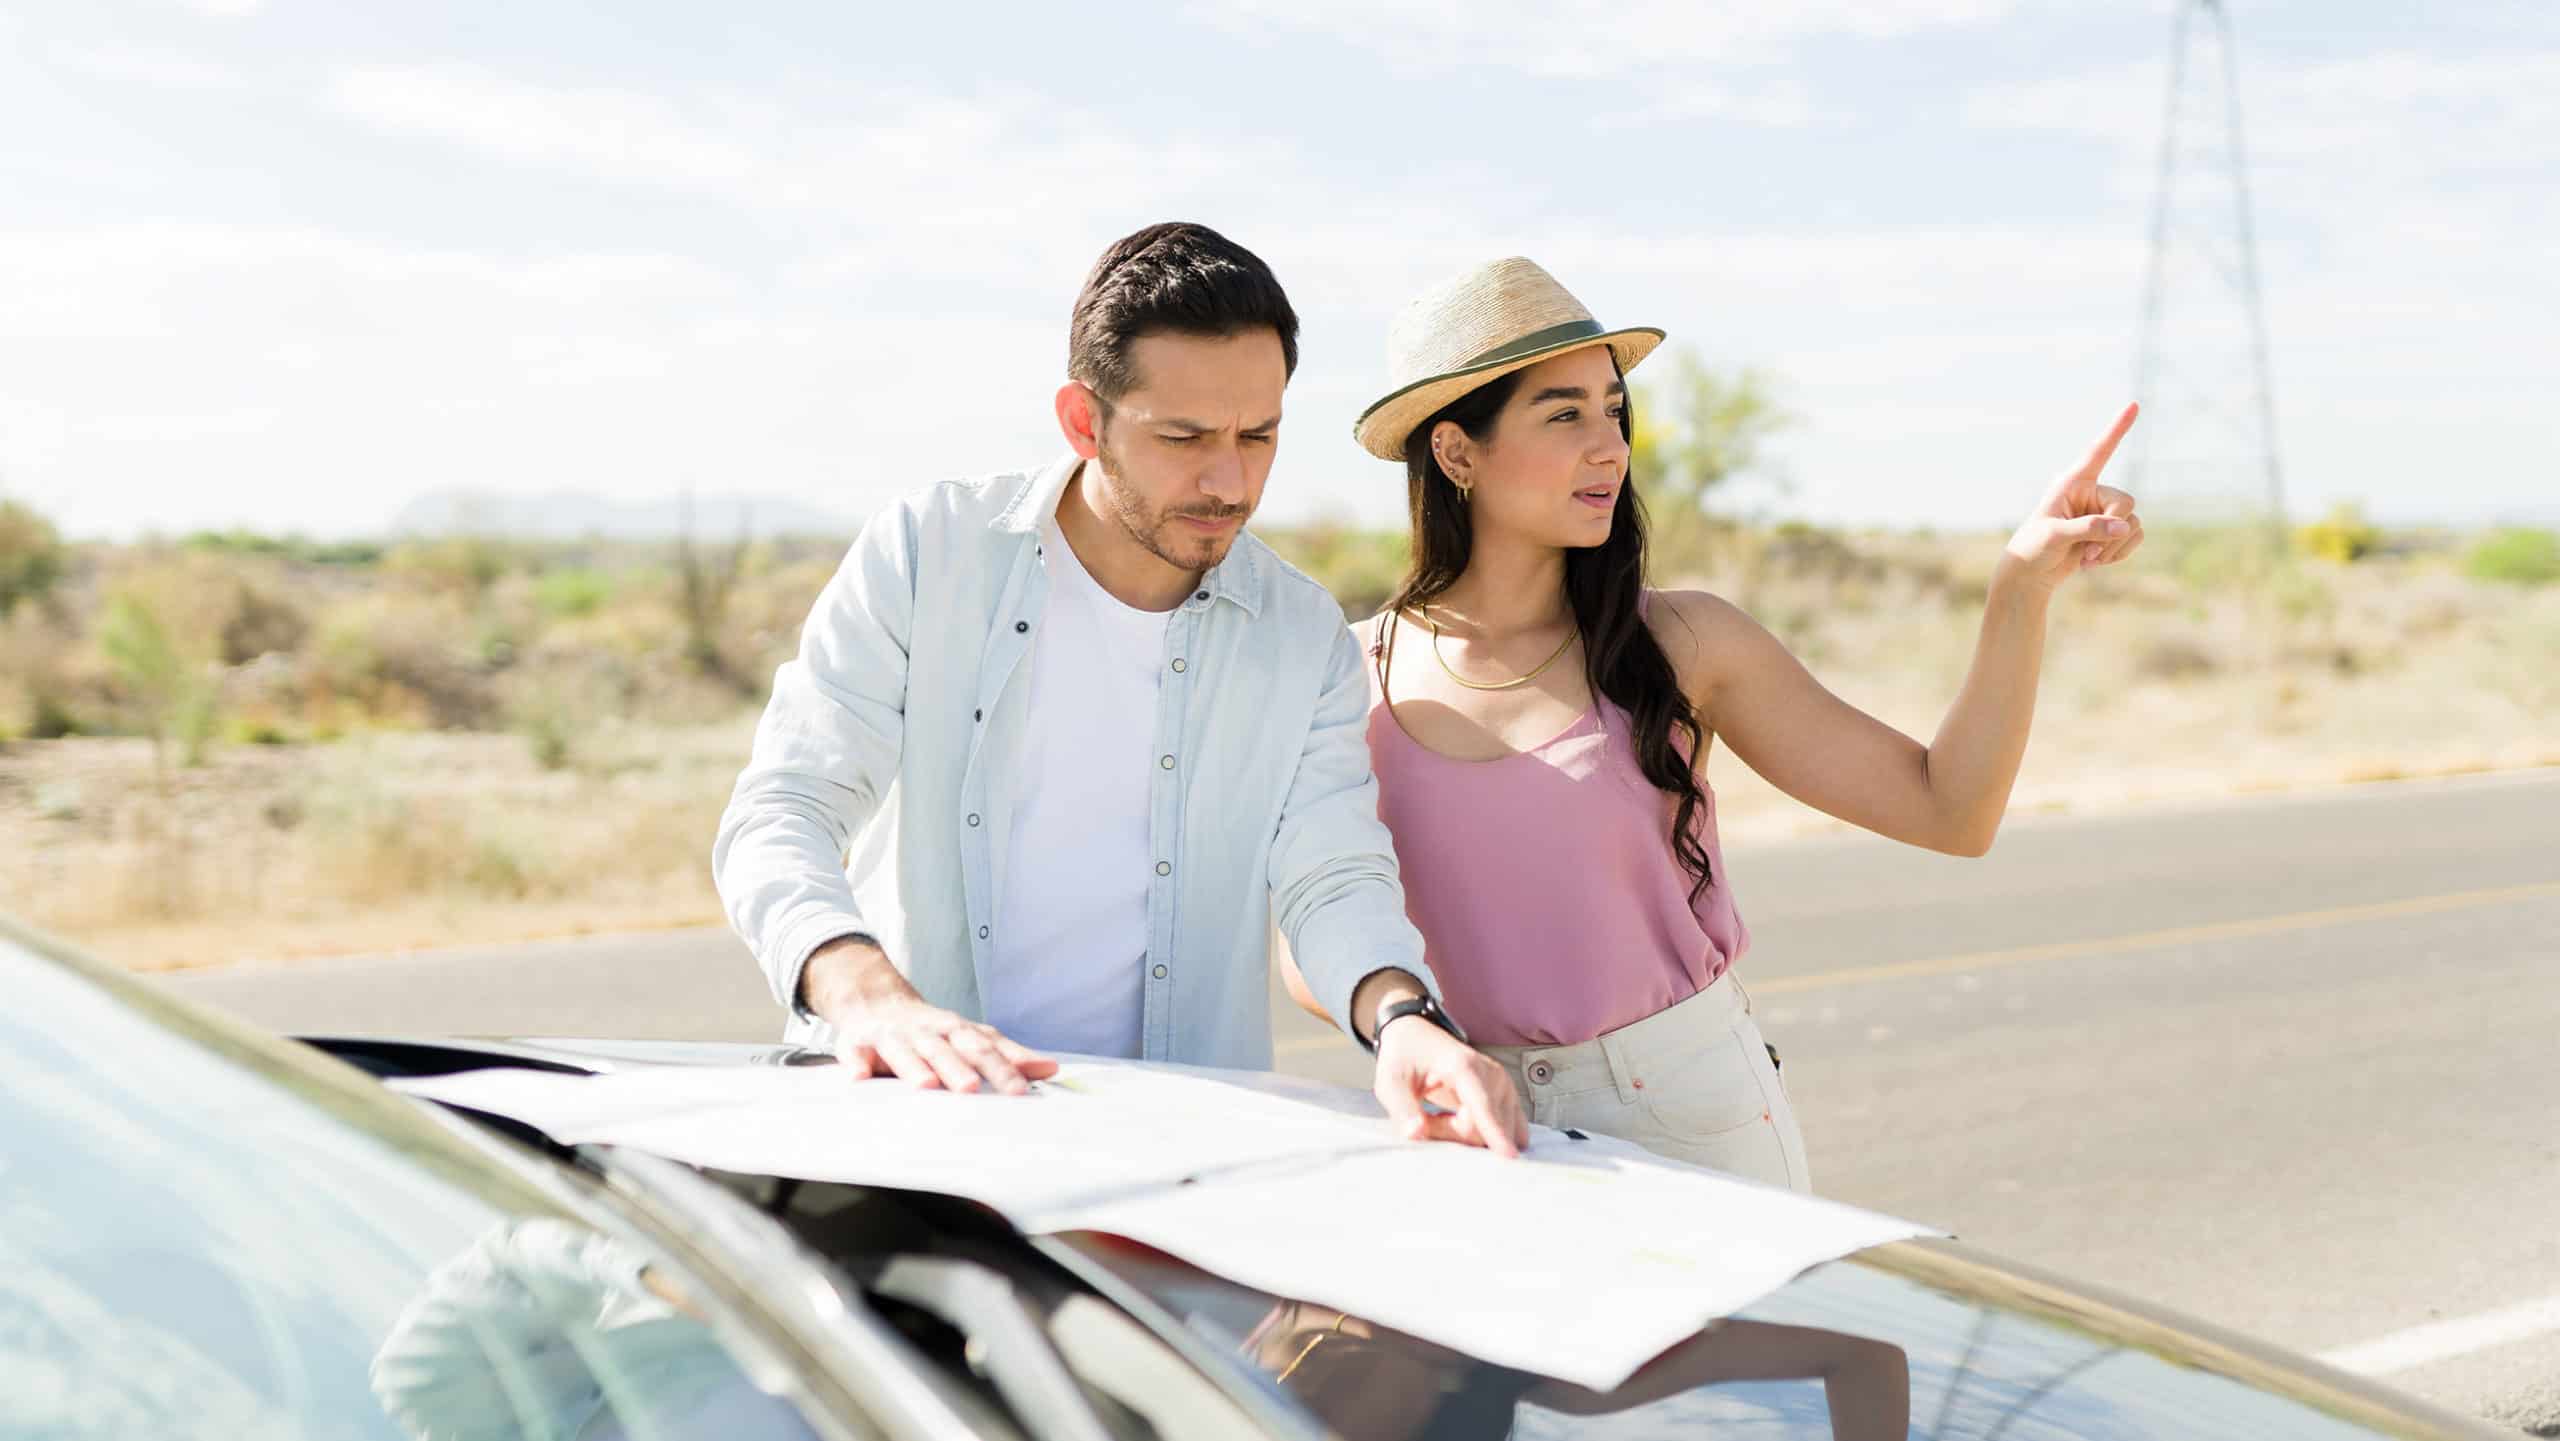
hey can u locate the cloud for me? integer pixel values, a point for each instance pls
(160, 70)
(160, 279)
(2437, 115)
(610, 133)
(1783, 104)
(1589, 38)
(206, 374)
(225, 9)
(914, 184)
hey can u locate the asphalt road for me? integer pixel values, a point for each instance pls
(2292, 1064)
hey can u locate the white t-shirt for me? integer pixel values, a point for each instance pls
(1067, 963)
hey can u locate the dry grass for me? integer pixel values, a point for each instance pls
(385, 842)
(451, 748)
(2170, 680)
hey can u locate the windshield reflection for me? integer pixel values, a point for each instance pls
(1848, 1350)
(544, 1328)
(1402, 1387)
(201, 1240)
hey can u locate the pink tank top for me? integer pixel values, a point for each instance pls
(1551, 905)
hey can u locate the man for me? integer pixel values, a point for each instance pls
(1083, 735)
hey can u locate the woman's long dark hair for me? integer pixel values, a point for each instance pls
(1602, 584)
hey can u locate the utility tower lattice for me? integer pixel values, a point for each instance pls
(2208, 433)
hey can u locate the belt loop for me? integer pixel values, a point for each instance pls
(1621, 1069)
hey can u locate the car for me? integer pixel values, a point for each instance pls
(206, 1230)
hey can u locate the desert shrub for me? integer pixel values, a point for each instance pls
(468, 564)
(2215, 559)
(400, 659)
(549, 725)
(2516, 555)
(2344, 535)
(160, 675)
(160, 634)
(2300, 597)
(257, 729)
(574, 592)
(1360, 567)
(32, 556)
(1800, 548)
(36, 681)
(261, 620)
(2173, 657)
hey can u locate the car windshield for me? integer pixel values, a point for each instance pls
(199, 1240)
(1846, 1353)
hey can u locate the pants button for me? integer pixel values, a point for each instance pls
(1540, 1073)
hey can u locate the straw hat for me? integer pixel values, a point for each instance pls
(1474, 328)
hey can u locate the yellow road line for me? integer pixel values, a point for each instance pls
(2147, 940)
(2067, 950)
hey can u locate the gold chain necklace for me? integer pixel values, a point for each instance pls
(1571, 635)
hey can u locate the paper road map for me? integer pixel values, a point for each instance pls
(1580, 1261)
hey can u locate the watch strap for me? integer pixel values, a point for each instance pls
(1423, 1006)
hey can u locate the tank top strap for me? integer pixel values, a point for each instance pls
(1374, 645)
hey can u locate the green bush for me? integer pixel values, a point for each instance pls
(32, 557)
(466, 563)
(1360, 567)
(547, 734)
(176, 696)
(53, 719)
(351, 553)
(567, 593)
(257, 730)
(2517, 555)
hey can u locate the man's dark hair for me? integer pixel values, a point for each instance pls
(1177, 277)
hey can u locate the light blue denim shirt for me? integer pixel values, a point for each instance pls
(877, 796)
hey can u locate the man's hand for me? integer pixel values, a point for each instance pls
(883, 1028)
(1419, 1062)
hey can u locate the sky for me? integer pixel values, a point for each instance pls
(286, 265)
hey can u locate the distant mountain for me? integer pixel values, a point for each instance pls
(577, 515)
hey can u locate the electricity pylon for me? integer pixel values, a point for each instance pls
(2208, 432)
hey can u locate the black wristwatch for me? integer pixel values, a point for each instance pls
(1423, 1006)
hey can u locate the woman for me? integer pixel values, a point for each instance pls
(1543, 723)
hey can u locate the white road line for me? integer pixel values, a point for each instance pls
(2444, 1340)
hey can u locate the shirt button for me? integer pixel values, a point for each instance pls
(1021, 626)
(1178, 666)
(982, 933)
(1167, 763)
(977, 715)
(973, 818)
(1164, 868)
(1159, 973)
(1204, 595)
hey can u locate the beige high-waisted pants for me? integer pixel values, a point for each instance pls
(1693, 1082)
